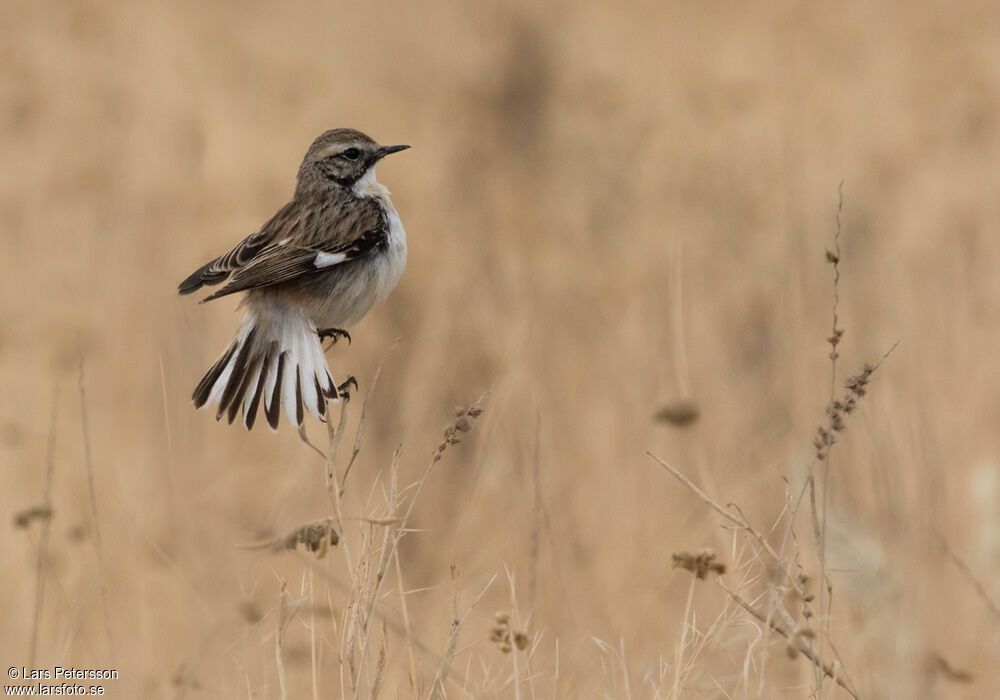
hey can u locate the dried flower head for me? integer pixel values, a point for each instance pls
(24, 518)
(838, 409)
(317, 537)
(680, 413)
(465, 419)
(701, 564)
(505, 636)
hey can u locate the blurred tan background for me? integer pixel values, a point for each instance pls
(609, 208)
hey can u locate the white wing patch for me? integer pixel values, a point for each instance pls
(329, 259)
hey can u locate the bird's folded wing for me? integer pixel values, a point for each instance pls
(306, 235)
(280, 263)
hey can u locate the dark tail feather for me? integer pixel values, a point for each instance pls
(204, 388)
(285, 371)
(272, 408)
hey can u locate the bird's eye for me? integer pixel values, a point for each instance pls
(351, 154)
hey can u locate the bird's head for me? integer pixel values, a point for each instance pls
(342, 157)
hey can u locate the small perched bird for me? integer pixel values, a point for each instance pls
(314, 269)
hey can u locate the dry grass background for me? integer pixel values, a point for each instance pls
(609, 209)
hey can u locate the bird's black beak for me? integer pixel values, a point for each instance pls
(386, 150)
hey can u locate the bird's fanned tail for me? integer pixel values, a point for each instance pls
(276, 360)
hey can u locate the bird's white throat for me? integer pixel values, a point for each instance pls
(368, 186)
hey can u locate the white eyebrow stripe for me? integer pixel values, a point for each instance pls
(329, 259)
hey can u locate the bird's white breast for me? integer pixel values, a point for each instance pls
(390, 266)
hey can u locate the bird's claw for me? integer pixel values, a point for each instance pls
(335, 333)
(344, 390)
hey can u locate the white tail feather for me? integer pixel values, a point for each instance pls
(271, 341)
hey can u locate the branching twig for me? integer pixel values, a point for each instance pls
(825, 669)
(739, 522)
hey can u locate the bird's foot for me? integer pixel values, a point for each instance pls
(335, 333)
(344, 390)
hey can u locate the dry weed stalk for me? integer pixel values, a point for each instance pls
(797, 642)
(44, 513)
(98, 544)
(826, 436)
(279, 636)
(445, 664)
(966, 572)
(377, 549)
(740, 522)
(704, 563)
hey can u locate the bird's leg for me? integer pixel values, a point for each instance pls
(344, 390)
(335, 333)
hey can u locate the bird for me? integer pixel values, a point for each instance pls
(312, 270)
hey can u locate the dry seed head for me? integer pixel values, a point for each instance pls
(701, 564)
(464, 422)
(318, 537)
(24, 518)
(838, 408)
(250, 612)
(506, 637)
(679, 413)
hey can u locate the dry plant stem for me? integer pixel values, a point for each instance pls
(773, 600)
(825, 669)
(43, 541)
(382, 610)
(279, 642)
(363, 420)
(367, 598)
(679, 656)
(401, 530)
(739, 522)
(406, 624)
(824, 584)
(680, 345)
(312, 637)
(332, 485)
(536, 517)
(391, 546)
(969, 576)
(98, 544)
(441, 675)
(521, 625)
(305, 438)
